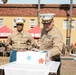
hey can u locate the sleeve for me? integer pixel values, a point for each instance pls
(57, 46)
(9, 42)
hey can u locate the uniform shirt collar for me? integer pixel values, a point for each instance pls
(20, 32)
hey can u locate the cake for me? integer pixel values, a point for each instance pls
(33, 57)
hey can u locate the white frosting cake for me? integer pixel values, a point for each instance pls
(33, 57)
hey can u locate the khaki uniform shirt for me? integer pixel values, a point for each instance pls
(51, 41)
(20, 40)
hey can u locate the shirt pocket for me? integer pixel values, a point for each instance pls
(24, 40)
(48, 41)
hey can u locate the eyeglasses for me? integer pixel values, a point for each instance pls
(19, 24)
(46, 23)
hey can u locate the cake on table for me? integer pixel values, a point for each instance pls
(33, 57)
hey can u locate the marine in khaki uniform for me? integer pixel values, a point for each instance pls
(51, 41)
(20, 39)
(51, 37)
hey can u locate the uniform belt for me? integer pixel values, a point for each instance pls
(21, 49)
(24, 48)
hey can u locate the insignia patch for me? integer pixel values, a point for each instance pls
(24, 36)
(43, 16)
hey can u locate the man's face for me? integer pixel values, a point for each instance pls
(48, 26)
(19, 27)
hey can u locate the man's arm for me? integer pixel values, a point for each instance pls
(57, 46)
(32, 42)
(9, 42)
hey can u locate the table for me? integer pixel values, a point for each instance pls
(25, 69)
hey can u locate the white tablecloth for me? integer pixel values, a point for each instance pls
(23, 69)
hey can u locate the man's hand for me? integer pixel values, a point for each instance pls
(35, 49)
